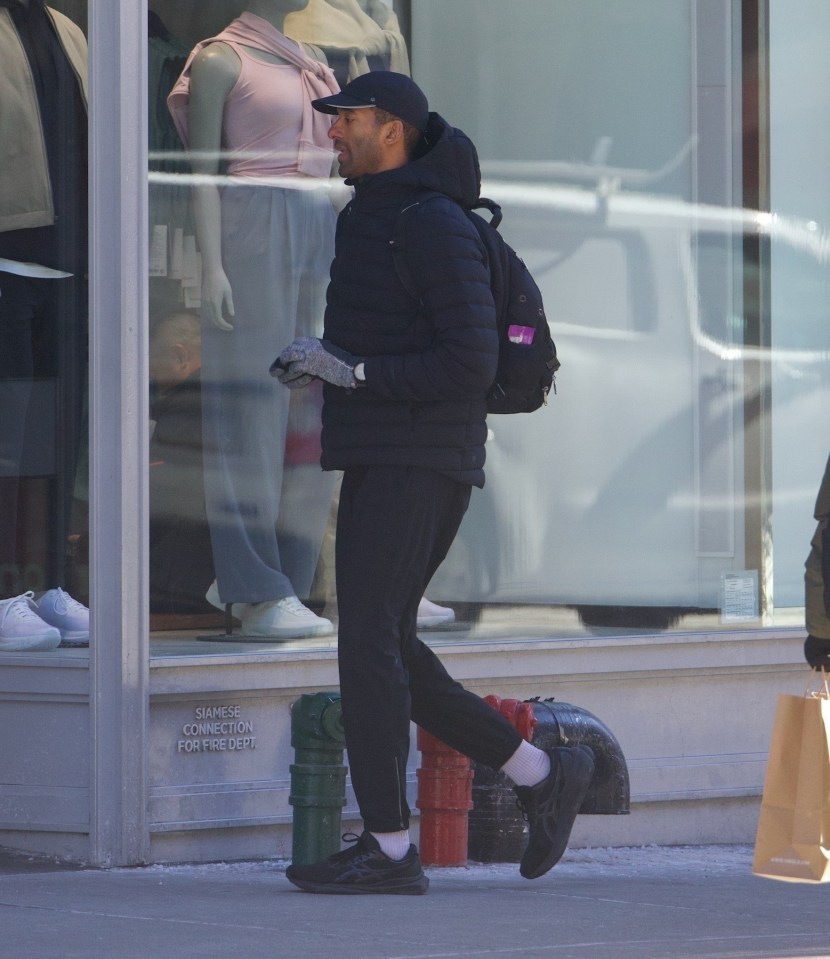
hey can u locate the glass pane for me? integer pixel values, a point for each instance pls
(670, 482)
(44, 327)
(631, 501)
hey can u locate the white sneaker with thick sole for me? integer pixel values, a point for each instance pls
(212, 596)
(66, 614)
(284, 619)
(431, 614)
(22, 630)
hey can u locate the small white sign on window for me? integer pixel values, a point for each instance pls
(739, 596)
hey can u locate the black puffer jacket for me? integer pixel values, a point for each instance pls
(428, 362)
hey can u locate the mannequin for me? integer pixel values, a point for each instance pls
(242, 107)
(356, 36)
(43, 310)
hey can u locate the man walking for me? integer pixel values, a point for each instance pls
(405, 419)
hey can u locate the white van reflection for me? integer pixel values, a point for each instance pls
(627, 497)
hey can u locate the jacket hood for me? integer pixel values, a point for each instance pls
(447, 163)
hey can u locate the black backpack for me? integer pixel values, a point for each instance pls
(527, 354)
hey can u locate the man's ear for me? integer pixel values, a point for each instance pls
(394, 132)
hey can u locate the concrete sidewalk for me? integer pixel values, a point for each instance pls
(643, 903)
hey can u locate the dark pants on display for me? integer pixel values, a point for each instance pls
(43, 352)
(395, 525)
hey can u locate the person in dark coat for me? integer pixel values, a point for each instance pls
(817, 582)
(404, 417)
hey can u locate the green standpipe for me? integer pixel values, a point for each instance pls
(318, 776)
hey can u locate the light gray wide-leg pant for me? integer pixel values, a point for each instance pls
(277, 249)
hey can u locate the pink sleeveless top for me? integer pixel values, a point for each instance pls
(269, 125)
(263, 118)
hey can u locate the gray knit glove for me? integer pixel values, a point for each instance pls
(293, 379)
(308, 356)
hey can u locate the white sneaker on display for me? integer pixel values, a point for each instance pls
(212, 596)
(431, 614)
(66, 614)
(22, 630)
(284, 619)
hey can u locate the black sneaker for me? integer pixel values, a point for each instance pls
(551, 807)
(362, 869)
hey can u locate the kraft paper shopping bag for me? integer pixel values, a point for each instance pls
(793, 838)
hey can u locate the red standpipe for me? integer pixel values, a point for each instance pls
(520, 714)
(445, 798)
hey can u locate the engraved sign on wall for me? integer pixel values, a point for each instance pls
(216, 728)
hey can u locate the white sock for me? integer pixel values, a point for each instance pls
(395, 845)
(528, 766)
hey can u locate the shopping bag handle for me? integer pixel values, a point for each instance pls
(823, 678)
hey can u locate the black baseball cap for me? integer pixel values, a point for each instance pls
(396, 93)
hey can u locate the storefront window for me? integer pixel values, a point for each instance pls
(637, 150)
(44, 327)
(242, 209)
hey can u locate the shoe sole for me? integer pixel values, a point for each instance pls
(74, 637)
(418, 887)
(29, 644)
(571, 799)
(289, 632)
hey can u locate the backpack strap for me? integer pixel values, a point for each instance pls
(498, 262)
(413, 205)
(484, 203)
